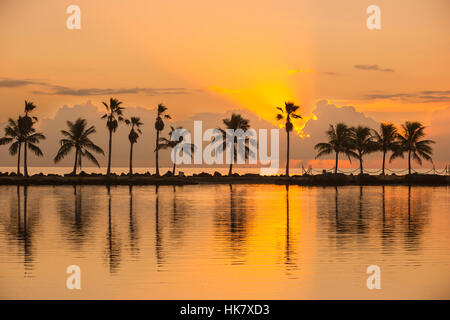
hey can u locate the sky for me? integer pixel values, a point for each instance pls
(212, 57)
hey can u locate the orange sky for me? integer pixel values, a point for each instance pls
(217, 56)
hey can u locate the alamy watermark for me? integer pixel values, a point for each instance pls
(236, 146)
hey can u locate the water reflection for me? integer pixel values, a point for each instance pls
(290, 254)
(235, 236)
(113, 240)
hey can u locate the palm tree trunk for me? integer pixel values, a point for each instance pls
(384, 161)
(25, 167)
(75, 162)
(156, 154)
(108, 171)
(337, 160)
(174, 163)
(131, 159)
(361, 171)
(409, 162)
(18, 159)
(287, 154)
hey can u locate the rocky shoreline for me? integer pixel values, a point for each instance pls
(205, 178)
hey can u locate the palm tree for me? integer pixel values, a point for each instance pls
(114, 116)
(386, 140)
(159, 126)
(30, 140)
(288, 113)
(135, 123)
(411, 140)
(13, 135)
(235, 122)
(176, 144)
(339, 137)
(28, 124)
(362, 143)
(78, 137)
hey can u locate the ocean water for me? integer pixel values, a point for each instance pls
(224, 242)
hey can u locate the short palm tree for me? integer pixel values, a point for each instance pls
(166, 143)
(411, 140)
(135, 131)
(159, 126)
(28, 123)
(287, 114)
(77, 137)
(235, 122)
(362, 143)
(14, 136)
(339, 141)
(386, 140)
(113, 116)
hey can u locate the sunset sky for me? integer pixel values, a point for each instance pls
(215, 56)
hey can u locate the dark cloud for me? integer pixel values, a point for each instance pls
(53, 89)
(420, 97)
(15, 83)
(325, 73)
(65, 91)
(372, 67)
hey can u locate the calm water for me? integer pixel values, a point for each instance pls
(222, 241)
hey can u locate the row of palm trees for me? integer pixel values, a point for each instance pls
(353, 142)
(356, 142)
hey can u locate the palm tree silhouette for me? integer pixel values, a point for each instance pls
(288, 113)
(411, 140)
(135, 123)
(28, 125)
(78, 137)
(114, 116)
(13, 135)
(235, 122)
(386, 140)
(159, 126)
(176, 145)
(362, 143)
(339, 137)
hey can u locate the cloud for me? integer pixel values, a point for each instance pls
(295, 71)
(326, 73)
(16, 83)
(420, 97)
(65, 91)
(372, 67)
(46, 88)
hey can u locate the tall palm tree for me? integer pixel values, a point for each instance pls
(386, 140)
(288, 113)
(30, 140)
(362, 143)
(113, 116)
(339, 137)
(159, 126)
(175, 144)
(135, 123)
(235, 122)
(28, 123)
(78, 137)
(411, 140)
(13, 135)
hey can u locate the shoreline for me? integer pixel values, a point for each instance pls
(328, 179)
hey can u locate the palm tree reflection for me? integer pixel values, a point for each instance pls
(289, 250)
(113, 246)
(132, 226)
(158, 234)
